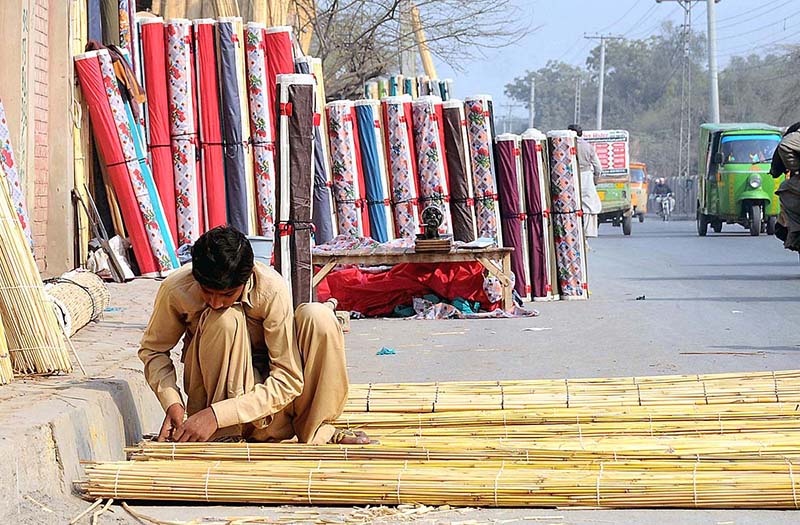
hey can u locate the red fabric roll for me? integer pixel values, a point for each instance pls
(107, 141)
(280, 61)
(362, 188)
(211, 153)
(155, 77)
(443, 153)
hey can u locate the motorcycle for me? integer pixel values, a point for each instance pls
(665, 204)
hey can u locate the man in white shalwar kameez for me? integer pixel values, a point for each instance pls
(589, 165)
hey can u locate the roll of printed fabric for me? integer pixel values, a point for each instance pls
(376, 175)
(297, 100)
(409, 87)
(261, 129)
(158, 116)
(512, 208)
(446, 88)
(279, 48)
(12, 175)
(480, 132)
(212, 164)
(401, 163)
(371, 90)
(324, 215)
(233, 124)
(241, 71)
(568, 237)
(459, 171)
(183, 129)
(129, 174)
(431, 165)
(535, 168)
(345, 163)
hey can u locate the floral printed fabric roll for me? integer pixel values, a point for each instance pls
(12, 176)
(401, 167)
(183, 129)
(479, 130)
(431, 167)
(344, 167)
(261, 129)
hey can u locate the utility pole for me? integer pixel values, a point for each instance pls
(601, 84)
(532, 105)
(577, 118)
(713, 72)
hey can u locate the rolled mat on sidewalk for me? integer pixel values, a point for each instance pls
(568, 234)
(261, 129)
(152, 243)
(459, 171)
(514, 219)
(344, 167)
(431, 164)
(402, 165)
(79, 297)
(212, 165)
(481, 137)
(376, 176)
(536, 170)
(296, 104)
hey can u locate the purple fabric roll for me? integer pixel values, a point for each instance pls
(512, 210)
(536, 230)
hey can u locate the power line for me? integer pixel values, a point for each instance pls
(620, 19)
(761, 28)
(759, 8)
(640, 20)
(770, 12)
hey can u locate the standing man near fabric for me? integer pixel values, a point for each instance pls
(591, 170)
(253, 368)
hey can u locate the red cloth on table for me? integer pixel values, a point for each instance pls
(377, 294)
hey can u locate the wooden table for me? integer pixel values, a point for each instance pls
(485, 256)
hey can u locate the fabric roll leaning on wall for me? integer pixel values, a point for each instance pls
(536, 171)
(480, 132)
(158, 116)
(431, 164)
(568, 233)
(152, 243)
(9, 167)
(324, 216)
(376, 176)
(183, 130)
(233, 122)
(459, 171)
(241, 72)
(345, 165)
(402, 165)
(261, 130)
(297, 100)
(212, 164)
(512, 208)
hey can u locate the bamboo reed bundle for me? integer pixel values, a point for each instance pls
(79, 298)
(757, 387)
(35, 341)
(613, 484)
(6, 372)
(586, 449)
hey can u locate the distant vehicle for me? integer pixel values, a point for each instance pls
(734, 184)
(639, 185)
(666, 203)
(614, 186)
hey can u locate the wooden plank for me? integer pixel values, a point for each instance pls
(495, 270)
(323, 273)
(508, 291)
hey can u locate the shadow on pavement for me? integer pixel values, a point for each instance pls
(754, 277)
(792, 299)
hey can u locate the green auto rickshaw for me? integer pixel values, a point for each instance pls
(734, 184)
(614, 183)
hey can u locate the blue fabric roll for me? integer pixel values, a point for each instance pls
(230, 105)
(372, 174)
(95, 22)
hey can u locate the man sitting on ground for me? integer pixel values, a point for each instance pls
(253, 368)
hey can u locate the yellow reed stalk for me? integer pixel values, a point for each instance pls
(6, 371)
(35, 341)
(80, 131)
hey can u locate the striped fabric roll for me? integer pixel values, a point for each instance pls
(431, 165)
(480, 132)
(568, 233)
(376, 175)
(514, 220)
(261, 129)
(183, 129)
(401, 161)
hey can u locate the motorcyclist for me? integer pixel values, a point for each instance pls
(661, 187)
(786, 159)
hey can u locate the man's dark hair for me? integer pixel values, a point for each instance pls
(791, 129)
(222, 258)
(576, 128)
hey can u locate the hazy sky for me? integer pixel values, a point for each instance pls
(743, 27)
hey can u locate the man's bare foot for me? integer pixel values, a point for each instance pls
(350, 437)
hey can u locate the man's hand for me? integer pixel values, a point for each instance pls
(172, 422)
(199, 427)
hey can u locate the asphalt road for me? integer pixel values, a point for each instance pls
(726, 302)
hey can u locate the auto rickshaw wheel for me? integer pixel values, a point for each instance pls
(627, 225)
(771, 222)
(755, 220)
(716, 226)
(702, 223)
(641, 217)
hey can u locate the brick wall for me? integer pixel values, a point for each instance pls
(41, 153)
